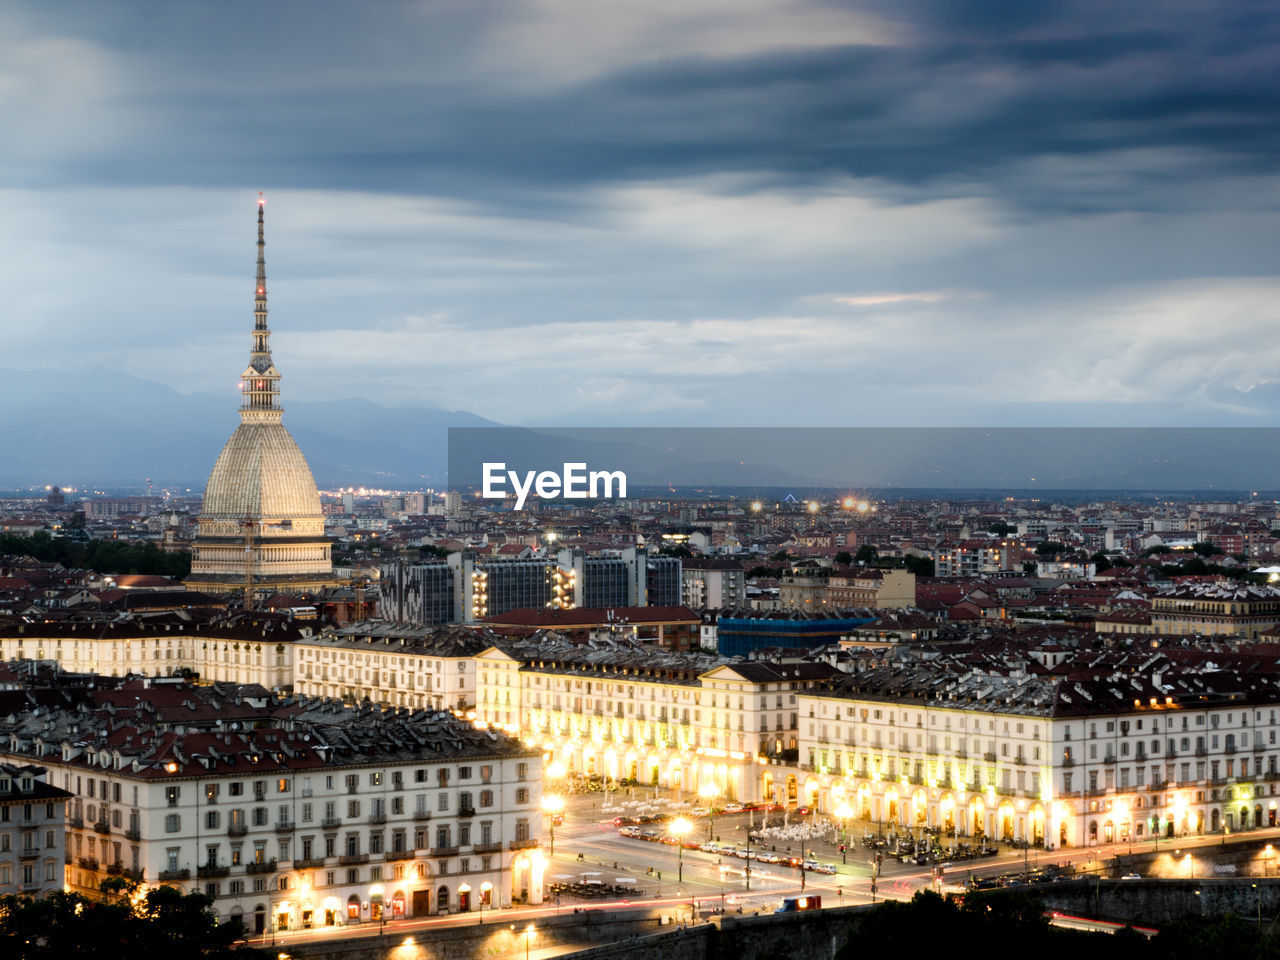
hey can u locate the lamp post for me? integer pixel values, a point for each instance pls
(709, 791)
(529, 933)
(843, 812)
(552, 804)
(680, 829)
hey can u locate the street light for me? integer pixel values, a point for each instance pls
(529, 933)
(552, 805)
(680, 829)
(709, 791)
(843, 812)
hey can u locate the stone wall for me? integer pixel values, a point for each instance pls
(652, 934)
(1158, 902)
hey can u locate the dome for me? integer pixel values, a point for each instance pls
(261, 473)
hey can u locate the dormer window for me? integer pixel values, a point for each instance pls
(28, 784)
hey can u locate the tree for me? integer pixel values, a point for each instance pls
(1205, 549)
(843, 557)
(1101, 561)
(866, 554)
(1000, 528)
(1050, 548)
(121, 926)
(920, 566)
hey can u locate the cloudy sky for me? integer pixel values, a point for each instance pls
(704, 212)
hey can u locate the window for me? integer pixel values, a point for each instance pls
(211, 820)
(522, 829)
(282, 785)
(375, 779)
(172, 823)
(171, 795)
(522, 795)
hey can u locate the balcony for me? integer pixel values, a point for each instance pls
(102, 826)
(522, 844)
(399, 855)
(133, 833)
(466, 811)
(263, 866)
(330, 822)
(1068, 762)
(444, 851)
(1229, 750)
(488, 847)
(422, 814)
(88, 863)
(212, 870)
(352, 859)
(134, 875)
(29, 854)
(377, 818)
(1259, 746)
(1020, 760)
(77, 822)
(175, 875)
(989, 757)
(285, 826)
(237, 829)
(1202, 752)
(309, 863)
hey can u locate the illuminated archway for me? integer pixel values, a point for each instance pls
(947, 814)
(977, 816)
(1005, 816)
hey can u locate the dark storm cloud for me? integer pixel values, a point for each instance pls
(383, 96)
(662, 204)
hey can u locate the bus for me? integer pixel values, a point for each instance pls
(796, 904)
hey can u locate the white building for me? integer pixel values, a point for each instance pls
(289, 813)
(1047, 759)
(32, 832)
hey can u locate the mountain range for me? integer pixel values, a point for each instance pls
(98, 428)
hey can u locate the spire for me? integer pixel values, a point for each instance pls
(260, 390)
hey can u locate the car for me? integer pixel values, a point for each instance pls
(624, 821)
(699, 811)
(709, 847)
(629, 831)
(732, 808)
(1132, 876)
(803, 811)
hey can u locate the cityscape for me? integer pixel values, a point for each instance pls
(756, 481)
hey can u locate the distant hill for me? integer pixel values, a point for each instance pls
(104, 428)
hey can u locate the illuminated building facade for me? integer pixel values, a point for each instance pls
(1216, 609)
(467, 587)
(1044, 759)
(679, 721)
(415, 667)
(290, 815)
(252, 647)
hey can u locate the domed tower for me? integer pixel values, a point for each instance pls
(261, 526)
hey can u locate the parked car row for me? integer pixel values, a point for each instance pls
(726, 850)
